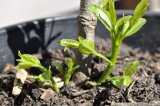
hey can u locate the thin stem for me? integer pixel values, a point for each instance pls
(55, 87)
(103, 57)
(69, 73)
(106, 73)
(42, 69)
(67, 78)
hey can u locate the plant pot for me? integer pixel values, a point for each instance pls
(126, 4)
(35, 36)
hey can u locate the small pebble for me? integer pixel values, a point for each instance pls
(48, 94)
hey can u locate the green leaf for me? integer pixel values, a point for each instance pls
(69, 43)
(70, 62)
(135, 27)
(86, 47)
(102, 15)
(75, 68)
(28, 57)
(119, 27)
(112, 11)
(71, 69)
(25, 65)
(27, 61)
(109, 6)
(59, 67)
(45, 76)
(131, 69)
(125, 28)
(117, 81)
(140, 10)
(103, 3)
(127, 81)
(80, 38)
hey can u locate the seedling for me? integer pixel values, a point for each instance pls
(67, 73)
(71, 68)
(27, 61)
(85, 46)
(119, 29)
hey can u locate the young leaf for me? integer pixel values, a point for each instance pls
(59, 67)
(86, 47)
(102, 15)
(112, 11)
(125, 28)
(121, 23)
(127, 81)
(27, 61)
(103, 3)
(69, 43)
(74, 69)
(80, 38)
(135, 27)
(108, 5)
(45, 76)
(131, 69)
(70, 62)
(140, 10)
(71, 69)
(117, 81)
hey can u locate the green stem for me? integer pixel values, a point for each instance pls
(55, 87)
(69, 73)
(107, 72)
(67, 78)
(42, 69)
(103, 57)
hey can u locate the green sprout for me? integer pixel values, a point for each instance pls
(27, 61)
(119, 29)
(67, 73)
(126, 78)
(70, 70)
(84, 46)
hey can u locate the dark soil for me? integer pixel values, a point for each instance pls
(146, 86)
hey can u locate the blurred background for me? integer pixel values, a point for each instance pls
(17, 11)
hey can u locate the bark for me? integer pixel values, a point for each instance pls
(87, 22)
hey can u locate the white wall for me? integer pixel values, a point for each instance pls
(16, 11)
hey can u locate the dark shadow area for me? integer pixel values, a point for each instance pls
(30, 38)
(103, 97)
(27, 91)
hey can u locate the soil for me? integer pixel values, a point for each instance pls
(144, 89)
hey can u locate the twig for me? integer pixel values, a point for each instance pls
(78, 93)
(148, 95)
(128, 93)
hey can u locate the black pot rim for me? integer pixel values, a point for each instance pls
(73, 16)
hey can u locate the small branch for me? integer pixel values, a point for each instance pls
(103, 57)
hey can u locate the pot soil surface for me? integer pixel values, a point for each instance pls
(144, 90)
